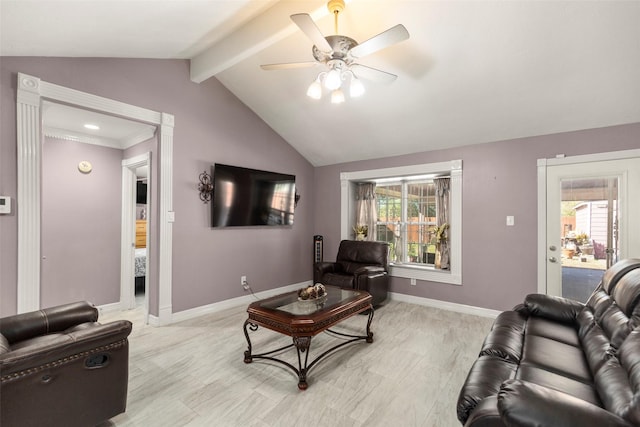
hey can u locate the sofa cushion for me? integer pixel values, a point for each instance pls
(599, 302)
(597, 347)
(627, 292)
(552, 307)
(573, 387)
(558, 357)
(615, 324)
(618, 381)
(525, 404)
(556, 331)
(613, 274)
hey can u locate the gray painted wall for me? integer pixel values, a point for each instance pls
(214, 126)
(499, 179)
(211, 125)
(81, 215)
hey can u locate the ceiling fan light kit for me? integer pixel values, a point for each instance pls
(338, 54)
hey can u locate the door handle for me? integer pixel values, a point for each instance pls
(553, 259)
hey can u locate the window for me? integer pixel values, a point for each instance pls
(407, 220)
(407, 209)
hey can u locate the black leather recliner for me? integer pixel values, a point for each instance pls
(60, 367)
(359, 265)
(556, 362)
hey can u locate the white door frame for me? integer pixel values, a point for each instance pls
(30, 93)
(542, 200)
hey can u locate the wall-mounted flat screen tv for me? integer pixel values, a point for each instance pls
(248, 197)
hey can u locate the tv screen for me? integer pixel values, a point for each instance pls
(141, 193)
(249, 197)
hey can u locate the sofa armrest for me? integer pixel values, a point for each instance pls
(551, 307)
(59, 348)
(370, 270)
(524, 404)
(55, 319)
(322, 268)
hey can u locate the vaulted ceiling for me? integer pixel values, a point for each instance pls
(471, 72)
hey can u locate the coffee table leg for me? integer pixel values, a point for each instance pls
(369, 333)
(253, 327)
(302, 345)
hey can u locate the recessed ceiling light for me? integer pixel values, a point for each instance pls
(92, 127)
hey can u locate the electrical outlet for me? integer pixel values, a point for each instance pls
(413, 282)
(244, 283)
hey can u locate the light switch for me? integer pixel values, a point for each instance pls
(171, 216)
(510, 220)
(5, 205)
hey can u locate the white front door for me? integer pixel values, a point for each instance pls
(592, 207)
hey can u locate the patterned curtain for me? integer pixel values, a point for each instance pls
(366, 208)
(443, 188)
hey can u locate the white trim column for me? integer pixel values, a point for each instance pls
(167, 217)
(28, 200)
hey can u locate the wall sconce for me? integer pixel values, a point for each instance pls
(205, 187)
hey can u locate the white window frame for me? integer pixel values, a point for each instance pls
(453, 276)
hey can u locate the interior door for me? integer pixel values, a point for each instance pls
(590, 223)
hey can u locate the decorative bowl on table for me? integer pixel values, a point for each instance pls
(315, 295)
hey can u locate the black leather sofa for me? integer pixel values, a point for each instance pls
(359, 265)
(557, 362)
(60, 367)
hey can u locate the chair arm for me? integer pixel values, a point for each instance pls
(524, 404)
(551, 307)
(24, 326)
(370, 270)
(321, 268)
(59, 348)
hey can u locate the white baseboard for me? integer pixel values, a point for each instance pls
(232, 303)
(155, 321)
(245, 300)
(109, 308)
(445, 305)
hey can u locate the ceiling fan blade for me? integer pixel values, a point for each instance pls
(288, 65)
(372, 74)
(311, 30)
(392, 36)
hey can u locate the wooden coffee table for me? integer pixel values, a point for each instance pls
(303, 320)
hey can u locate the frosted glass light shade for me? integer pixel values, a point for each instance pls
(356, 89)
(315, 90)
(333, 79)
(337, 96)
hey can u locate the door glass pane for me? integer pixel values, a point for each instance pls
(588, 218)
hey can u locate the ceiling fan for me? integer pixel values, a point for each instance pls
(338, 54)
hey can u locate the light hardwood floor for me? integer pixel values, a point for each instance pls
(192, 373)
